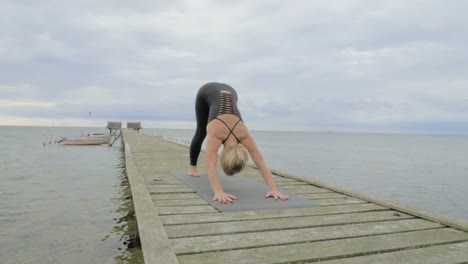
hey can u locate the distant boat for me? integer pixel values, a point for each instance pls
(86, 141)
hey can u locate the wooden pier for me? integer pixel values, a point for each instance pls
(177, 226)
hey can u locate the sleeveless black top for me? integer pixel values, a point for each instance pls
(221, 99)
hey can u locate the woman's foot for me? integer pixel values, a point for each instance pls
(193, 171)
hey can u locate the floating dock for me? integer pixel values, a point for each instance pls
(177, 226)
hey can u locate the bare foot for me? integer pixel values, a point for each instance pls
(193, 171)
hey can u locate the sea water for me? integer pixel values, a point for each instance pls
(63, 204)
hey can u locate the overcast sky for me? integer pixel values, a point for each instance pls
(340, 65)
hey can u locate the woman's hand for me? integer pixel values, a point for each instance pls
(223, 197)
(277, 195)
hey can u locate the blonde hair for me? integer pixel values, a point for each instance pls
(234, 159)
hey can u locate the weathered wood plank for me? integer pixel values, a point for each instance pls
(250, 215)
(174, 196)
(324, 250)
(186, 210)
(160, 189)
(182, 202)
(305, 189)
(443, 219)
(166, 186)
(155, 173)
(156, 176)
(154, 241)
(447, 254)
(339, 201)
(316, 196)
(289, 183)
(283, 179)
(191, 230)
(192, 245)
(164, 183)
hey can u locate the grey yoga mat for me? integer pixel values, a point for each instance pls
(250, 193)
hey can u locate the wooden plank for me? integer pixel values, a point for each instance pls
(183, 202)
(447, 254)
(191, 230)
(186, 210)
(283, 179)
(294, 183)
(316, 196)
(156, 174)
(250, 215)
(160, 189)
(156, 178)
(324, 250)
(154, 242)
(443, 219)
(339, 201)
(167, 186)
(305, 189)
(192, 245)
(164, 183)
(174, 196)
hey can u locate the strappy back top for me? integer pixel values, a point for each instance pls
(220, 99)
(228, 104)
(231, 130)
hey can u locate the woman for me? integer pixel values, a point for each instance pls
(220, 120)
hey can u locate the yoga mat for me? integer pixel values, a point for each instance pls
(250, 193)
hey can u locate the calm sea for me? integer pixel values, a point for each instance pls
(65, 204)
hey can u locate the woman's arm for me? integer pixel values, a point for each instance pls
(257, 158)
(212, 147)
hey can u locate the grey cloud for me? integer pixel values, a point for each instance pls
(315, 63)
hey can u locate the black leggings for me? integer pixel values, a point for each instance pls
(202, 110)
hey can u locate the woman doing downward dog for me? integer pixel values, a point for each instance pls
(219, 118)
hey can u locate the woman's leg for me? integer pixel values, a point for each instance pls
(201, 111)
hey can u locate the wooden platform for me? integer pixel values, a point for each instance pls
(177, 226)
